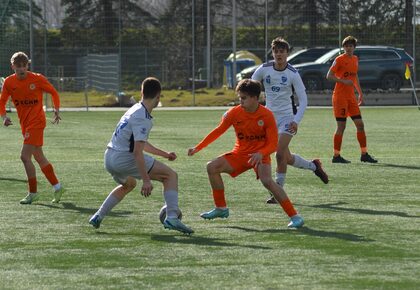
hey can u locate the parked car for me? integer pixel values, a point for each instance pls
(301, 56)
(379, 67)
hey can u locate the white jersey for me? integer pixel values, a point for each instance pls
(134, 125)
(279, 88)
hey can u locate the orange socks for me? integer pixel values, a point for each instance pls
(361, 137)
(338, 139)
(219, 197)
(49, 174)
(32, 186)
(288, 207)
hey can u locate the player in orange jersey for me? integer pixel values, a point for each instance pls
(256, 139)
(26, 88)
(343, 72)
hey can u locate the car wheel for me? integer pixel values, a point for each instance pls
(312, 83)
(391, 82)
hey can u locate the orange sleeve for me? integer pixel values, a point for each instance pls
(3, 99)
(224, 124)
(49, 88)
(272, 136)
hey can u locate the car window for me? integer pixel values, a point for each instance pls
(372, 54)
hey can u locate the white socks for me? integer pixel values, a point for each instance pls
(107, 205)
(280, 178)
(171, 199)
(303, 163)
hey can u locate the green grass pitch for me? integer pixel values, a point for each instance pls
(362, 230)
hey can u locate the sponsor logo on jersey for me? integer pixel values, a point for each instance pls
(25, 102)
(242, 136)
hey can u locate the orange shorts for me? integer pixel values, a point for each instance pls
(345, 106)
(239, 162)
(33, 136)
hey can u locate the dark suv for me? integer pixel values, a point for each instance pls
(301, 56)
(379, 67)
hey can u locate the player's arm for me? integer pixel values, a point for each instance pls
(212, 136)
(332, 77)
(3, 100)
(149, 148)
(300, 92)
(270, 145)
(147, 187)
(359, 90)
(49, 88)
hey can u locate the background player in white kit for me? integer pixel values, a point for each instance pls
(281, 81)
(126, 162)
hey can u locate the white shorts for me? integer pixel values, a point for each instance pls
(283, 124)
(122, 164)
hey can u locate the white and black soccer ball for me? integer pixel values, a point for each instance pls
(162, 214)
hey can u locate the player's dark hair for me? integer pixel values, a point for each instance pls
(19, 58)
(349, 40)
(150, 88)
(281, 43)
(250, 87)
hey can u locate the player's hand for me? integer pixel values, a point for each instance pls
(171, 156)
(360, 102)
(146, 188)
(293, 127)
(7, 122)
(57, 117)
(192, 151)
(255, 159)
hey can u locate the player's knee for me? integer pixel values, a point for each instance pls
(25, 159)
(129, 185)
(280, 157)
(172, 175)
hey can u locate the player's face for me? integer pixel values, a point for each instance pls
(247, 102)
(349, 49)
(21, 70)
(280, 56)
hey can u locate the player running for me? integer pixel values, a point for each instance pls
(26, 89)
(125, 160)
(281, 81)
(343, 72)
(256, 139)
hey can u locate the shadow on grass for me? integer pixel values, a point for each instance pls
(334, 206)
(83, 210)
(202, 241)
(309, 232)
(13, 179)
(398, 166)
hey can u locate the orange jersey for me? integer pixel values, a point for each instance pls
(27, 98)
(255, 132)
(345, 67)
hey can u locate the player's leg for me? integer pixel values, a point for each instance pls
(214, 170)
(169, 178)
(264, 173)
(48, 170)
(340, 110)
(113, 198)
(26, 158)
(361, 138)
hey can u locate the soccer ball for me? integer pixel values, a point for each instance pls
(162, 214)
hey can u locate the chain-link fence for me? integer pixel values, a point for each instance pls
(117, 43)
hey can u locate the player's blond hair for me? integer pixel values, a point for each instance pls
(19, 58)
(350, 40)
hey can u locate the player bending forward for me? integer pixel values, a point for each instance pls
(26, 90)
(256, 139)
(125, 160)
